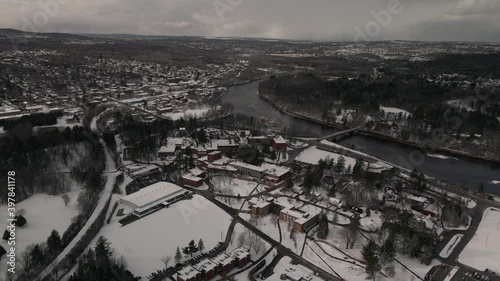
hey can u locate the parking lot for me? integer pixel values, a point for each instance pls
(464, 275)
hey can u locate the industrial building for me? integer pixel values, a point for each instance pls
(154, 197)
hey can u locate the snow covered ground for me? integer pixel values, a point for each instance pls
(199, 112)
(483, 251)
(43, 214)
(446, 252)
(144, 242)
(394, 110)
(312, 155)
(495, 182)
(266, 225)
(347, 268)
(235, 186)
(285, 267)
(439, 156)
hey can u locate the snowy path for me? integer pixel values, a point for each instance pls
(105, 194)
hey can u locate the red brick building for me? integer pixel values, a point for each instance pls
(302, 221)
(214, 156)
(279, 144)
(191, 180)
(221, 264)
(188, 273)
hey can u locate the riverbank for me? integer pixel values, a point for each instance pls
(380, 136)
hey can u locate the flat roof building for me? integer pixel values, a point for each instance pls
(151, 197)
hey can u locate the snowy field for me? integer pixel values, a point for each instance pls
(266, 224)
(483, 251)
(395, 110)
(285, 266)
(200, 112)
(235, 186)
(446, 252)
(312, 155)
(495, 182)
(143, 243)
(43, 214)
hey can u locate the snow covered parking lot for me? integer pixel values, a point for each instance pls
(483, 251)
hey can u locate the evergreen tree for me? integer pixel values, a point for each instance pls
(190, 249)
(340, 166)
(178, 255)
(369, 253)
(2, 251)
(20, 220)
(332, 192)
(348, 170)
(388, 249)
(54, 241)
(6, 235)
(358, 168)
(37, 255)
(323, 226)
(201, 245)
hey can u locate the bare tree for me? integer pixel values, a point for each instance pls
(21, 212)
(274, 219)
(348, 236)
(166, 260)
(65, 197)
(241, 239)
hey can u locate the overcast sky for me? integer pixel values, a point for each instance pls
(474, 20)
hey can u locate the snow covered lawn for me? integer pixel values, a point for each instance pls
(196, 113)
(446, 252)
(347, 268)
(234, 186)
(483, 251)
(43, 214)
(144, 242)
(284, 266)
(395, 110)
(312, 155)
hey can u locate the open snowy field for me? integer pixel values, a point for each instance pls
(197, 113)
(144, 242)
(284, 266)
(235, 186)
(395, 110)
(312, 155)
(483, 251)
(43, 214)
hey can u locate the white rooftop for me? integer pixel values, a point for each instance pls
(152, 193)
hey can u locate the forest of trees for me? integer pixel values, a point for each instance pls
(102, 264)
(440, 104)
(36, 158)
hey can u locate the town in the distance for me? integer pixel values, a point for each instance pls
(197, 159)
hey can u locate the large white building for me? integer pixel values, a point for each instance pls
(154, 197)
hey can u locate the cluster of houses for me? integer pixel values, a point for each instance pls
(218, 163)
(156, 88)
(222, 264)
(301, 221)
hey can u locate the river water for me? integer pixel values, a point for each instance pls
(459, 170)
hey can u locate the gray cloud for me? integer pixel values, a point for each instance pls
(295, 19)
